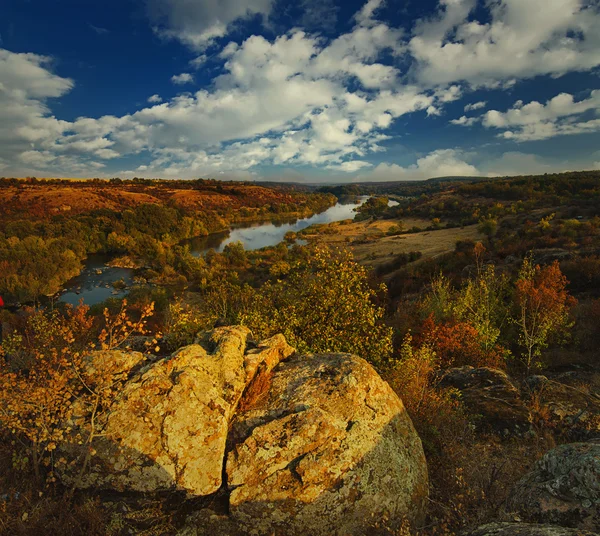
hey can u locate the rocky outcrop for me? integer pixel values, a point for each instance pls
(168, 428)
(563, 488)
(567, 402)
(288, 444)
(335, 450)
(490, 394)
(525, 529)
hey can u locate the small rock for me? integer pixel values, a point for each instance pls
(490, 394)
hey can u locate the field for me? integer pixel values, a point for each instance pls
(371, 245)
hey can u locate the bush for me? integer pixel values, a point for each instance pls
(325, 304)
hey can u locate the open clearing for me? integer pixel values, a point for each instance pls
(371, 246)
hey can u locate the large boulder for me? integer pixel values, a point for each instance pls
(525, 529)
(168, 428)
(329, 450)
(563, 488)
(490, 394)
(262, 440)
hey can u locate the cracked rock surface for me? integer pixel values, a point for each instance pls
(284, 443)
(329, 450)
(168, 428)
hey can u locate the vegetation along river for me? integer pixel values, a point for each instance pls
(95, 283)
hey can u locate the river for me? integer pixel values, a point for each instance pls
(95, 283)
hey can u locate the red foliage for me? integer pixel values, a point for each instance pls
(458, 343)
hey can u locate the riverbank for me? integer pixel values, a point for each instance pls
(96, 282)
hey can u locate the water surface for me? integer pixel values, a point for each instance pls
(94, 284)
(263, 235)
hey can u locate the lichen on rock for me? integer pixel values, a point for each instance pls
(294, 444)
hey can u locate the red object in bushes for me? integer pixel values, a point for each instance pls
(1, 302)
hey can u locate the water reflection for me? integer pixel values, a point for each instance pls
(94, 284)
(270, 234)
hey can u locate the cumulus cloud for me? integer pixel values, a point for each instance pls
(521, 40)
(517, 163)
(350, 166)
(440, 163)
(475, 106)
(198, 23)
(183, 78)
(198, 61)
(464, 121)
(300, 99)
(561, 115)
(285, 102)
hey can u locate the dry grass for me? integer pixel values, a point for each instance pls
(371, 246)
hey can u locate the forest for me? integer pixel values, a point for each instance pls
(519, 296)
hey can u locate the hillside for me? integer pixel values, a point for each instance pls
(43, 199)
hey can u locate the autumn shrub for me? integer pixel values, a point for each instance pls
(543, 309)
(324, 304)
(183, 321)
(470, 475)
(458, 343)
(52, 381)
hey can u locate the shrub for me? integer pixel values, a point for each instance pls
(325, 304)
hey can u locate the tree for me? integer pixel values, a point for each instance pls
(483, 301)
(47, 383)
(324, 304)
(543, 308)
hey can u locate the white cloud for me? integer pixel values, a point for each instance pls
(183, 78)
(475, 106)
(367, 12)
(350, 166)
(198, 61)
(561, 115)
(517, 163)
(300, 99)
(523, 39)
(197, 23)
(291, 91)
(440, 163)
(464, 121)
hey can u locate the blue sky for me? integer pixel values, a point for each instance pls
(309, 90)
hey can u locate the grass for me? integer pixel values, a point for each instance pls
(372, 247)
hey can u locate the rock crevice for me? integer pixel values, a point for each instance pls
(315, 444)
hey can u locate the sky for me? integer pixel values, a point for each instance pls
(302, 90)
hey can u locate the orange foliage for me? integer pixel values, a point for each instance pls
(457, 343)
(45, 378)
(544, 307)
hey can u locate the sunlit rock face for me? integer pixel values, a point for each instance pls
(168, 428)
(294, 444)
(329, 450)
